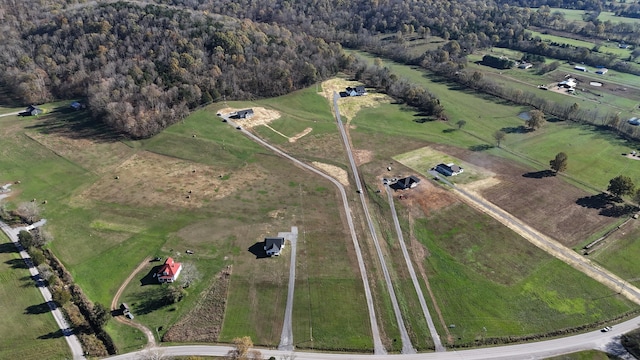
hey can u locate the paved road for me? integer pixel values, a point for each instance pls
(537, 350)
(548, 244)
(407, 348)
(286, 338)
(423, 304)
(72, 340)
(375, 331)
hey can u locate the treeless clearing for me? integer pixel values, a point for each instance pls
(350, 106)
(149, 179)
(547, 204)
(261, 116)
(301, 134)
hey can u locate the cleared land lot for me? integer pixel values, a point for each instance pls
(202, 186)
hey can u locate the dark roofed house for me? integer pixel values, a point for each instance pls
(449, 169)
(76, 105)
(273, 245)
(356, 91)
(406, 183)
(360, 90)
(244, 114)
(32, 110)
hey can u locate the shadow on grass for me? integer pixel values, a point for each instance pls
(618, 210)
(75, 124)
(539, 174)
(257, 249)
(8, 248)
(42, 308)
(52, 335)
(16, 264)
(150, 278)
(448, 131)
(599, 201)
(150, 300)
(481, 147)
(516, 129)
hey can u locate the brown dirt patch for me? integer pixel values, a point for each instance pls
(204, 322)
(85, 152)
(334, 171)
(427, 197)
(261, 116)
(633, 157)
(148, 179)
(350, 106)
(362, 156)
(304, 132)
(547, 204)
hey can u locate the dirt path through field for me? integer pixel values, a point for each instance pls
(548, 244)
(151, 340)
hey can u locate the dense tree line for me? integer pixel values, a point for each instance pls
(143, 68)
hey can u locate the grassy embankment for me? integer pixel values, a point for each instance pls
(29, 330)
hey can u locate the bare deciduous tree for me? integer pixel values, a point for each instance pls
(29, 211)
(242, 350)
(189, 275)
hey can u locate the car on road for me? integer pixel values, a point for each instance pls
(238, 127)
(606, 329)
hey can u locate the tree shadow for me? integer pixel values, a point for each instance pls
(8, 248)
(75, 124)
(257, 249)
(448, 131)
(481, 147)
(539, 174)
(52, 335)
(599, 201)
(17, 263)
(424, 120)
(42, 308)
(516, 129)
(618, 210)
(152, 299)
(150, 278)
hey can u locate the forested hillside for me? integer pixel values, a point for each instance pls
(143, 68)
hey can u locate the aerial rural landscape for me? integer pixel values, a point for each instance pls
(268, 179)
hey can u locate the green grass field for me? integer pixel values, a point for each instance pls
(29, 330)
(486, 277)
(604, 47)
(585, 355)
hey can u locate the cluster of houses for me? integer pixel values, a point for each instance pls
(356, 91)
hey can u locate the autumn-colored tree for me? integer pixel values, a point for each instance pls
(499, 136)
(536, 119)
(559, 163)
(242, 350)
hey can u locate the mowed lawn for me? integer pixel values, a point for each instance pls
(28, 329)
(492, 283)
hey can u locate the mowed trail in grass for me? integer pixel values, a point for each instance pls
(28, 329)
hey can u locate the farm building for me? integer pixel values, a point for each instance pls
(76, 105)
(634, 121)
(169, 271)
(525, 66)
(581, 68)
(406, 183)
(569, 83)
(449, 169)
(32, 110)
(602, 71)
(356, 91)
(274, 245)
(244, 114)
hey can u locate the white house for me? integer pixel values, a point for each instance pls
(169, 272)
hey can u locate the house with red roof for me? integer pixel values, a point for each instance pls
(169, 272)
